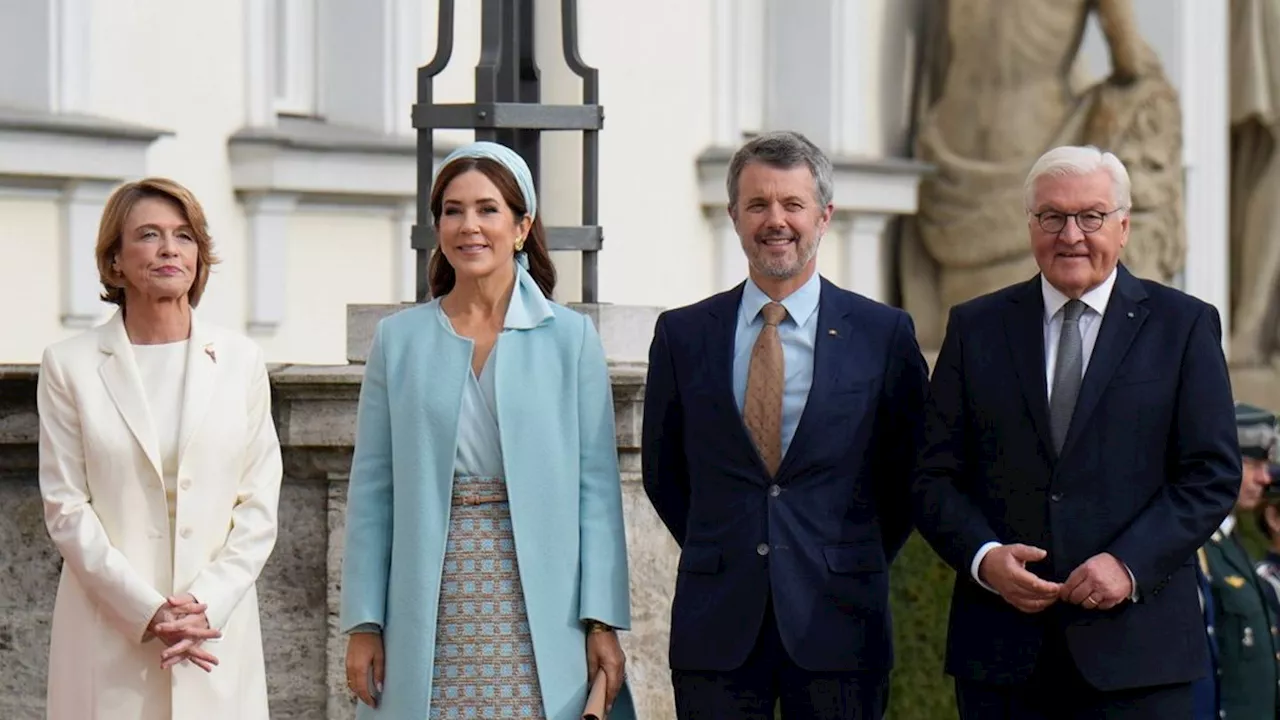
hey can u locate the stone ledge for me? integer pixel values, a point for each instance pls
(317, 159)
(625, 330)
(72, 147)
(314, 408)
(885, 186)
(74, 124)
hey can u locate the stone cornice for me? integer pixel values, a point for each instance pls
(314, 408)
(862, 184)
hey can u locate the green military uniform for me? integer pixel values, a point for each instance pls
(1245, 622)
(1269, 567)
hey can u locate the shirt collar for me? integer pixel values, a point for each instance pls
(1228, 524)
(528, 308)
(800, 304)
(1096, 299)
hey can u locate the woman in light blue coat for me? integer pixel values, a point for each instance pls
(485, 568)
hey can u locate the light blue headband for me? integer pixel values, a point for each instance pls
(504, 156)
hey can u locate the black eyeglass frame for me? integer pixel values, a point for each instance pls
(1079, 217)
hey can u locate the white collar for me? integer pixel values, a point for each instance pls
(1095, 299)
(1228, 524)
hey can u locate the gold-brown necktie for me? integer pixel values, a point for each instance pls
(762, 410)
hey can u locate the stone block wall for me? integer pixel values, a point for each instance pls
(314, 409)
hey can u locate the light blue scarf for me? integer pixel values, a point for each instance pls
(504, 156)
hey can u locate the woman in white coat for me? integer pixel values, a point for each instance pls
(160, 474)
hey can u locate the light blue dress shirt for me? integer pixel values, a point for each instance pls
(798, 332)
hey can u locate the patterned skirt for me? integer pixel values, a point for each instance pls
(484, 666)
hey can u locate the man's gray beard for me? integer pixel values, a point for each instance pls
(790, 271)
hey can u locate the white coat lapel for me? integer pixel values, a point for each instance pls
(120, 375)
(201, 380)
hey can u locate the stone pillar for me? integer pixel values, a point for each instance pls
(267, 217)
(1206, 152)
(81, 205)
(730, 261)
(866, 254)
(403, 263)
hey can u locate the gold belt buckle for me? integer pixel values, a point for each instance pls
(481, 499)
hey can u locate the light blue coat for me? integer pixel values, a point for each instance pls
(555, 416)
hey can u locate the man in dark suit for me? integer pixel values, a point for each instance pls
(780, 423)
(1080, 446)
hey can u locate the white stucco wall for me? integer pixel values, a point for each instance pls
(673, 85)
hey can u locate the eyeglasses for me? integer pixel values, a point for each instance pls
(1089, 221)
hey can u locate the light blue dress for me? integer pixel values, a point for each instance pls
(484, 664)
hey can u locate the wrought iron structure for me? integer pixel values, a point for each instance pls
(508, 110)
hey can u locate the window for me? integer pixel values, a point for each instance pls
(296, 59)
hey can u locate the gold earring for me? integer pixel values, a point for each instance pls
(520, 245)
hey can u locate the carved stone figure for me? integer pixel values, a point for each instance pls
(1255, 181)
(995, 92)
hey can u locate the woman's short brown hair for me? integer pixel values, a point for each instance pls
(111, 233)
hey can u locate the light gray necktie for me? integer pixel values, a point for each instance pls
(1068, 373)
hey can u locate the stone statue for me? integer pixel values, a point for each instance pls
(1255, 181)
(995, 91)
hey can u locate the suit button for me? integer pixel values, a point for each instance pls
(762, 549)
(186, 532)
(185, 484)
(1056, 497)
(775, 491)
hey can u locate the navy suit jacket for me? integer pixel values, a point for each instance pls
(817, 538)
(1149, 469)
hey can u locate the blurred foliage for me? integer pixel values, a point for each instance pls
(920, 594)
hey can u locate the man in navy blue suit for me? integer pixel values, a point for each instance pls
(780, 423)
(1080, 445)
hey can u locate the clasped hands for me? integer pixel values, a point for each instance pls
(182, 625)
(1101, 583)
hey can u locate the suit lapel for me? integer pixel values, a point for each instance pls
(199, 384)
(720, 331)
(722, 325)
(1024, 326)
(1124, 317)
(119, 374)
(829, 348)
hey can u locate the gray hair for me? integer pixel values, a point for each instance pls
(784, 150)
(1076, 160)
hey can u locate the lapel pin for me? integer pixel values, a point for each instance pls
(208, 350)
(1130, 313)
(832, 332)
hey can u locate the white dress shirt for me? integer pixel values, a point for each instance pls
(1095, 302)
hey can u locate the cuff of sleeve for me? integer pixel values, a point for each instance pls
(374, 628)
(145, 634)
(1133, 583)
(977, 563)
